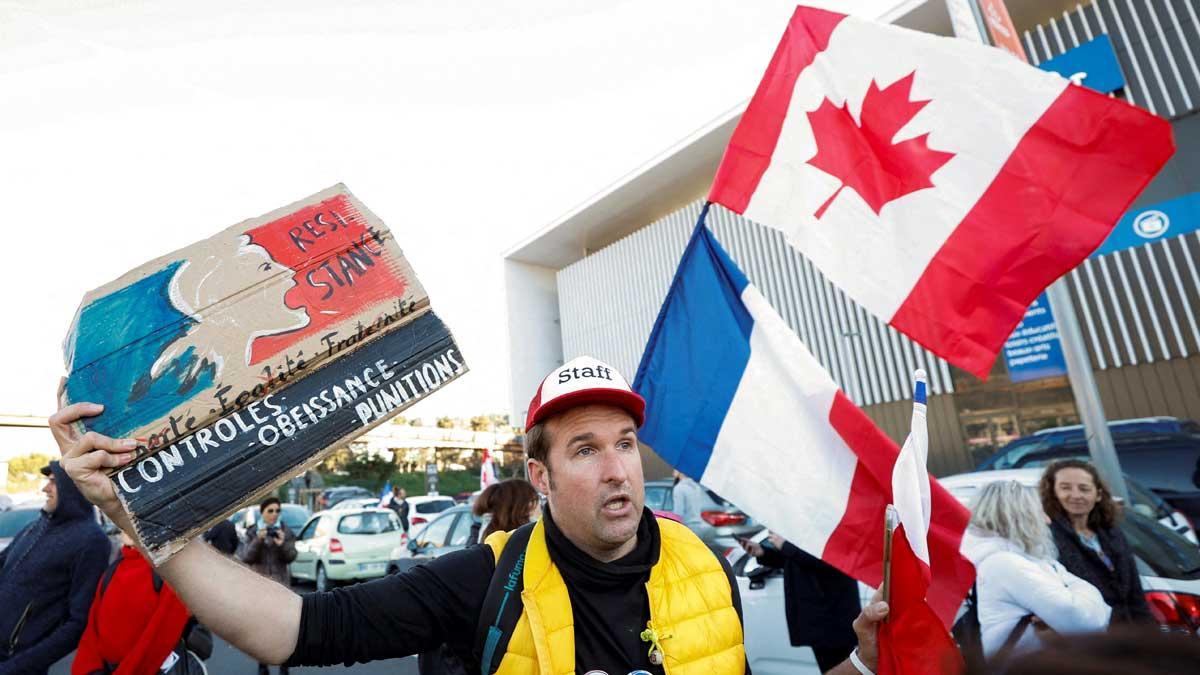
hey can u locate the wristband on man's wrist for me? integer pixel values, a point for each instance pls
(857, 663)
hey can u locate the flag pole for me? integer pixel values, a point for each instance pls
(1079, 366)
(890, 518)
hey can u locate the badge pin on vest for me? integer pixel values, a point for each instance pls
(652, 636)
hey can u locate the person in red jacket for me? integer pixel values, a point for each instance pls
(135, 623)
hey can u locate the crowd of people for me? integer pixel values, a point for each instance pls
(572, 573)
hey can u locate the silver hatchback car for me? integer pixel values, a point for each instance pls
(722, 523)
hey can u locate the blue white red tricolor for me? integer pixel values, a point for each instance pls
(734, 399)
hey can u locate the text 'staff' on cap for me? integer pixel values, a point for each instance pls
(582, 381)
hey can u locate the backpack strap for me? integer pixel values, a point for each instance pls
(502, 606)
(108, 575)
(1010, 643)
(112, 569)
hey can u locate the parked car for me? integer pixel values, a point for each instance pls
(292, 515)
(356, 503)
(345, 545)
(448, 531)
(13, 520)
(422, 509)
(723, 522)
(336, 494)
(1162, 453)
(768, 648)
(1169, 564)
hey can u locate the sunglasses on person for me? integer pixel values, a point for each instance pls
(271, 510)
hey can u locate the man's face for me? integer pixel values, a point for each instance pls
(271, 515)
(593, 480)
(403, 493)
(51, 491)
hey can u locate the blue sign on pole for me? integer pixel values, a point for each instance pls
(1092, 64)
(1148, 224)
(1034, 350)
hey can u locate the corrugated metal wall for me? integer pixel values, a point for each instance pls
(608, 302)
(1138, 306)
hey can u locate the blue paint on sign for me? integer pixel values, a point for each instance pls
(1092, 64)
(1034, 350)
(1154, 222)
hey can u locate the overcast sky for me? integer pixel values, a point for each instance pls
(129, 129)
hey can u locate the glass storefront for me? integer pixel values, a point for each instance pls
(998, 411)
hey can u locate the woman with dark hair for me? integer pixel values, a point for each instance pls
(511, 503)
(1083, 520)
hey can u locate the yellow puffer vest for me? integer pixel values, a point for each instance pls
(691, 610)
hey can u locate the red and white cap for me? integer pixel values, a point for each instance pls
(582, 381)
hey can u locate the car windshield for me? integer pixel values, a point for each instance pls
(371, 522)
(294, 516)
(436, 506)
(12, 522)
(1160, 551)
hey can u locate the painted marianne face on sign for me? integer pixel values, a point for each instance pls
(148, 347)
(255, 290)
(229, 310)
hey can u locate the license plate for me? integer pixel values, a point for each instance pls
(372, 567)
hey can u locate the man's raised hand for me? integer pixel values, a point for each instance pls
(86, 457)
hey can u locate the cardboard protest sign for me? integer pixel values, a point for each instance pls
(237, 360)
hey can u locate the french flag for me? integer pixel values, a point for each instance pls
(941, 183)
(914, 639)
(735, 400)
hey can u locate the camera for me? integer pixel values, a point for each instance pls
(272, 531)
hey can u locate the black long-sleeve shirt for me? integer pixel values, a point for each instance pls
(440, 602)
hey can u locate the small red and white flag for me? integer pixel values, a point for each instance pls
(942, 184)
(914, 639)
(487, 471)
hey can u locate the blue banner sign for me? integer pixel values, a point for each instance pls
(1092, 64)
(1154, 222)
(1034, 351)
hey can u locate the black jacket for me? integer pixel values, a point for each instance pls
(821, 603)
(48, 577)
(1121, 587)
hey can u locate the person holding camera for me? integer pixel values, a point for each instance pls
(267, 548)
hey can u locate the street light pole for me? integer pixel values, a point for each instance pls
(971, 21)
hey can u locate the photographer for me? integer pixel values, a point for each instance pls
(268, 548)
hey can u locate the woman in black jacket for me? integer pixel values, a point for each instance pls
(1083, 520)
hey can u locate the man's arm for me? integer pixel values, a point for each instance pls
(255, 614)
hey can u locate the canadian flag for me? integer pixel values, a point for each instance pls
(942, 184)
(487, 472)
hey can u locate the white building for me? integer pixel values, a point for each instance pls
(592, 281)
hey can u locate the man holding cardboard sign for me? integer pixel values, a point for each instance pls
(635, 582)
(241, 359)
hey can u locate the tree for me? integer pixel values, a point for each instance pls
(416, 422)
(445, 423)
(481, 423)
(24, 471)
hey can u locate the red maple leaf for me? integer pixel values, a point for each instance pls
(862, 154)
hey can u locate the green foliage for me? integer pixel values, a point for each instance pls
(24, 471)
